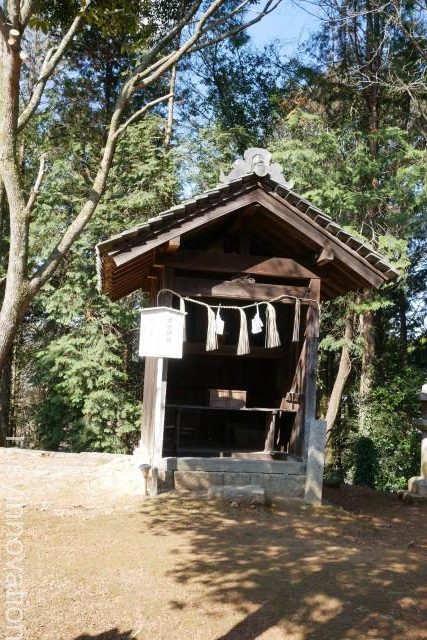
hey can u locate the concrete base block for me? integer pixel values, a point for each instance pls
(165, 480)
(274, 484)
(237, 478)
(413, 498)
(315, 462)
(285, 486)
(418, 486)
(197, 480)
(239, 466)
(242, 495)
(168, 464)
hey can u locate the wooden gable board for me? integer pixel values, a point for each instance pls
(119, 255)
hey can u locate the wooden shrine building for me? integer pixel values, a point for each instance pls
(214, 417)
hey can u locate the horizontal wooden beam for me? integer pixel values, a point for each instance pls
(198, 348)
(238, 290)
(234, 263)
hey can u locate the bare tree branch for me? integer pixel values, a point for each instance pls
(50, 63)
(27, 8)
(13, 13)
(141, 79)
(412, 39)
(171, 104)
(20, 289)
(3, 28)
(169, 37)
(237, 28)
(35, 190)
(99, 184)
(216, 23)
(138, 114)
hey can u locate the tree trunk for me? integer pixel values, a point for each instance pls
(403, 328)
(5, 398)
(344, 369)
(2, 213)
(368, 358)
(372, 100)
(14, 301)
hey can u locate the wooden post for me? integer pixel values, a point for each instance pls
(269, 445)
(153, 409)
(154, 403)
(311, 354)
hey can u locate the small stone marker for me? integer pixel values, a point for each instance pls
(315, 463)
(248, 494)
(417, 486)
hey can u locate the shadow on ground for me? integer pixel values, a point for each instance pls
(299, 571)
(112, 634)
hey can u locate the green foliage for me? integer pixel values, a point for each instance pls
(241, 88)
(86, 406)
(203, 160)
(79, 348)
(363, 456)
(378, 199)
(387, 453)
(87, 372)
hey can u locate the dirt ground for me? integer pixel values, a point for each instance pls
(102, 563)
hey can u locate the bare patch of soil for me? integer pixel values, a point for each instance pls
(110, 566)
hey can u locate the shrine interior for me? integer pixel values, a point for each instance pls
(197, 423)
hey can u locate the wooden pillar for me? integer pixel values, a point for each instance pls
(154, 404)
(311, 354)
(155, 379)
(269, 445)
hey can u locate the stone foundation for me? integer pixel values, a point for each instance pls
(278, 478)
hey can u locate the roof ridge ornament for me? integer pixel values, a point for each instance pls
(256, 160)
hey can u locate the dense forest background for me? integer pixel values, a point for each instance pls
(347, 120)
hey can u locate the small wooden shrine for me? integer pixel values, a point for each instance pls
(249, 263)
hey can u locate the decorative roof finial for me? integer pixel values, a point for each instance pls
(258, 161)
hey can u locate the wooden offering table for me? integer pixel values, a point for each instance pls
(270, 415)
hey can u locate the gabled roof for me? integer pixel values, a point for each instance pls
(124, 260)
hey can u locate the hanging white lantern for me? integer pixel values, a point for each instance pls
(161, 332)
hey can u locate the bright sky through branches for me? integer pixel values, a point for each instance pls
(289, 23)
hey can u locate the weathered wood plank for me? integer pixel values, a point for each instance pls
(238, 290)
(199, 348)
(270, 434)
(233, 263)
(326, 255)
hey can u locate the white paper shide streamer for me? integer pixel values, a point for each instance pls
(295, 334)
(272, 338)
(216, 323)
(211, 337)
(219, 323)
(243, 345)
(182, 309)
(256, 324)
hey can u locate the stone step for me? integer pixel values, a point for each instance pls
(248, 494)
(286, 467)
(275, 484)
